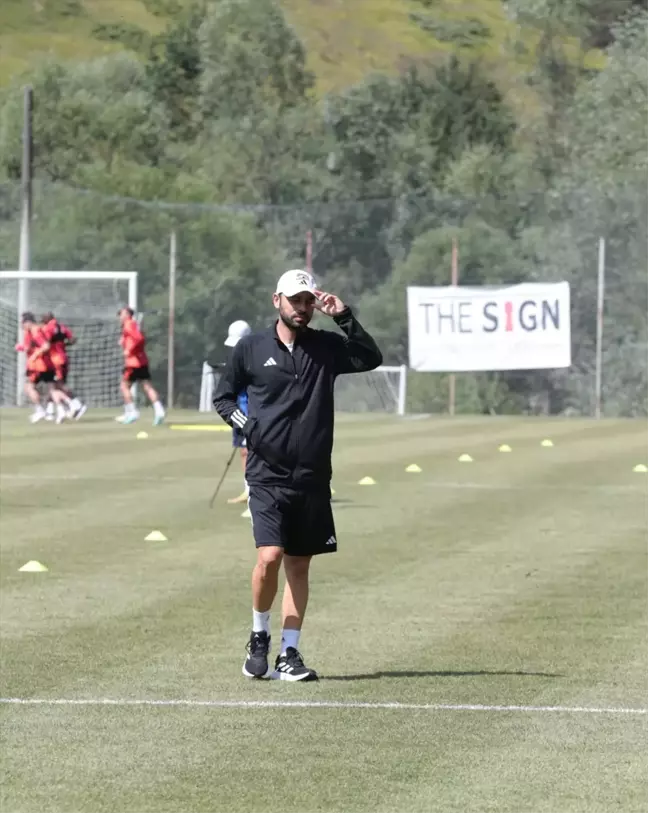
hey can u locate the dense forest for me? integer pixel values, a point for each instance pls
(218, 134)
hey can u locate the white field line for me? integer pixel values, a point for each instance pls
(467, 486)
(312, 704)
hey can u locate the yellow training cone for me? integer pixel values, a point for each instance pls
(33, 567)
(640, 468)
(156, 536)
(414, 469)
(546, 442)
(505, 448)
(465, 458)
(246, 514)
(142, 435)
(367, 481)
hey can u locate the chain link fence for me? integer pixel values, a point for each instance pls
(229, 257)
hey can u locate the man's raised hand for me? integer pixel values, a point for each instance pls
(329, 304)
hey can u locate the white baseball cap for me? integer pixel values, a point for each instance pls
(236, 331)
(295, 282)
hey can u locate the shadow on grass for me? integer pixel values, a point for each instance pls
(342, 503)
(411, 674)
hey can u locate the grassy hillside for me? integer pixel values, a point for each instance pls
(345, 40)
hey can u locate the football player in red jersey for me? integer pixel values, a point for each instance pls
(59, 337)
(136, 368)
(40, 369)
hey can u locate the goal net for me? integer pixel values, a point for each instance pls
(85, 301)
(382, 390)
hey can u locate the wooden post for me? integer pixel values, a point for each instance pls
(171, 349)
(600, 300)
(454, 280)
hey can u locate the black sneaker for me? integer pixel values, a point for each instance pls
(256, 664)
(290, 666)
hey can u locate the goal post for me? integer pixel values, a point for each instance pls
(381, 390)
(87, 302)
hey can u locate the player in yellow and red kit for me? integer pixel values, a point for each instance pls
(59, 337)
(40, 369)
(136, 368)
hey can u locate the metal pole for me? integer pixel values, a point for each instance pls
(599, 327)
(25, 230)
(402, 389)
(309, 251)
(172, 286)
(454, 280)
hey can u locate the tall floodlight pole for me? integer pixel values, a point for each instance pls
(25, 229)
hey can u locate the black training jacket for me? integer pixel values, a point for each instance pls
(289, 427)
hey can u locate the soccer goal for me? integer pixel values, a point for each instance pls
(382, 390)
(87, 302)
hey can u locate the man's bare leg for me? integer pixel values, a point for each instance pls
(295, 599)
(265, 581)
(265, 578)
(131, 413)
(154, 398)
(34, 396)
(290, 665)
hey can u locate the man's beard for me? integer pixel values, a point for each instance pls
(288, 322)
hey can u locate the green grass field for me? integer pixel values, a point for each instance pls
(516, 583)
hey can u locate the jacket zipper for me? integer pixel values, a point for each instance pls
(298, 384)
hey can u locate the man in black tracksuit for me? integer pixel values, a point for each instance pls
(289, 373)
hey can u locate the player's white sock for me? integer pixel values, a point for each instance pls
(129, 409)
(75, 404)
(50, 408)
(289, 638)
(60, 413)
(158, 409)
(260, 621)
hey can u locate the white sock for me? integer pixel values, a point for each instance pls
(289, 638)
(158, 409)
(50, 407)
(129, 409)
(260, 621)
(60, 411)
(75, 404)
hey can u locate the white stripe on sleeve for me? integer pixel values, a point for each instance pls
(237, 417)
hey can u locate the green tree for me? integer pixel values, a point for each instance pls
(97, 113)
(174, 69)
(252, 60)
(396, 135)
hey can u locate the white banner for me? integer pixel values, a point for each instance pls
(460, 329)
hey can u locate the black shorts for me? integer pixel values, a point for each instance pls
(41, 378)
(300, 522)
(238, 439)
(60, 373)
(132, 374)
